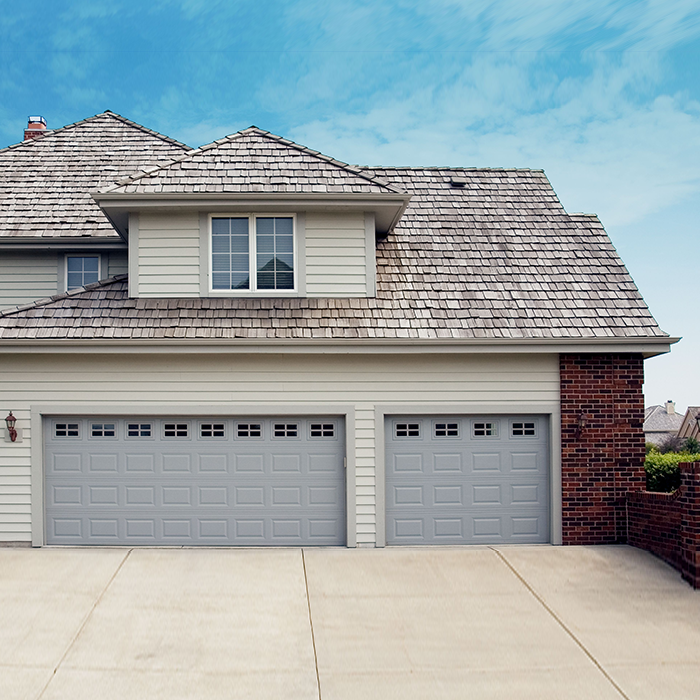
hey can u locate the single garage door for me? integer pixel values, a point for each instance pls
(467, 479)
(209, 481)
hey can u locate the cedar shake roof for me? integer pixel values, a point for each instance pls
(252, 161)
(45, 182)
(497, 258)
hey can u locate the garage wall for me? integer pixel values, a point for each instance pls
(238, 380)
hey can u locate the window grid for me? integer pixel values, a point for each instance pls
(139, 429)
(446, 429)
(523, 429)
(212, 430)
(407, 429)
(249, 430)
(67, 430)
(485, 429)
(81, 270)
(102, 430)
(175, 430)
(322, 430)
(286, 430)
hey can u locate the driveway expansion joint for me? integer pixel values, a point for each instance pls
(311, 624)
(560, 622)
(84, 623)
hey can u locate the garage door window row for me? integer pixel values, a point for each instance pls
(478, 429)
(204, 430)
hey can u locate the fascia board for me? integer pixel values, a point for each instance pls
(77, 243)
(649, 347)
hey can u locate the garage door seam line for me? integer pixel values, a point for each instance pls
(84, 623)
(311, 624)
(560, 622)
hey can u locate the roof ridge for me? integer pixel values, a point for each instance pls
(52, 132)
(64, 295)
(470, 168)
(163, 165)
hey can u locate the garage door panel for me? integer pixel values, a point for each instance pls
(151, 488)
(461, 488)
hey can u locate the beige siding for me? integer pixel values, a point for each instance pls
(336, 258)
(234, 381)
(25, 277)
(118, 264)
(168, 255)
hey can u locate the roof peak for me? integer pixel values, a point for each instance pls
(50, 133)
(237, 136)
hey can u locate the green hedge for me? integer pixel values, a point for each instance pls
(662, 469)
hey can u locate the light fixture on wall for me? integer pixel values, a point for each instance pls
(581, 424)
(11, 420)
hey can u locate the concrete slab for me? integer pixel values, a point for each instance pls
(45, 595)
(22, 683)
(198, 613)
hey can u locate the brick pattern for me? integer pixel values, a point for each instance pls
(604, 460)
(668, 524)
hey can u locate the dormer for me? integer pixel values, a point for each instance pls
(252, 215)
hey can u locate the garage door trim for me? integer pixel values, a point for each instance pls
(550, 410)
(42, 415)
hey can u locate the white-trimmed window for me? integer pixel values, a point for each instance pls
(253, 253)
(81, 270)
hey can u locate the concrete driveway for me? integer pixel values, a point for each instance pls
(467, 623)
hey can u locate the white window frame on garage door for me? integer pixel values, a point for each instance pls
(550, 410)
(42, 415)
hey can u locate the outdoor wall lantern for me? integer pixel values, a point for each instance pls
(11, 420)
(581, 424)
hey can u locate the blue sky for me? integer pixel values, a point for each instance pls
(604, 96)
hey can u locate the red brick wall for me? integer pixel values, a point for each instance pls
(605, 459)
(668, 524)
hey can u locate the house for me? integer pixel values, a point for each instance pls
(689, 427)
(253, 343)
(661, 422)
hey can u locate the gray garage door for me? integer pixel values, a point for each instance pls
(178, 481)
(467, 479)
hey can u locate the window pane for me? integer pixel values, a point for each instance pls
(275, 252)
(283, 226)
(230, 260)
(75, 264)
(90, 265)
(266, 226)
(266, 280)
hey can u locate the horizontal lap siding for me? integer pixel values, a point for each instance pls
(169, 255)
(26, 277)
(335, 255)
(118, 264)
(234, 381)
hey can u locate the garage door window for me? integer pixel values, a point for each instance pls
(403, 430)
(212, 430)
(249, 430)
(484, 429)
(523, 429)
(322, 430)
(139, 430)
(66, 430)
(103, 430)
(286, 430)
(175, 430)
(445, 430)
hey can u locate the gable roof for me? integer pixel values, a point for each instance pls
(656, 419)
(45, 181)
(497, 259)
(251, 161)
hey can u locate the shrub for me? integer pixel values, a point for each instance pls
(662, 470)
(691, 445)
(651, 447)
(671, 444)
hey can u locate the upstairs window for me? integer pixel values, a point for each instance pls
(81, 270)
(252, 253)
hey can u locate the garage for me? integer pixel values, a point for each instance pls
(467, 479)
(195, 481)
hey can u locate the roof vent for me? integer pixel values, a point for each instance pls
(36, 126)
(458, 181)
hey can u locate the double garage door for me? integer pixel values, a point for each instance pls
(175, 481)
(281, 481)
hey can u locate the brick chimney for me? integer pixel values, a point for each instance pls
(35, 127)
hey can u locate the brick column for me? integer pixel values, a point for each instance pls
(604, 460)
(689, 502)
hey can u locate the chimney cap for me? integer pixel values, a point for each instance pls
(37, 120)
